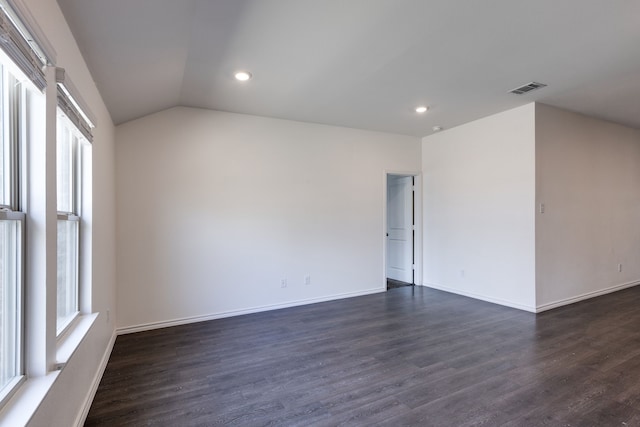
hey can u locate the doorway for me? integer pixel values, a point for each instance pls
(400, 231)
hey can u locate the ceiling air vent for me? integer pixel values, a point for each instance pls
(527, 88)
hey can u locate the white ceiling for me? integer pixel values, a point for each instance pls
(362, 63)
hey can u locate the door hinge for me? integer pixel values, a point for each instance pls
(413, 266)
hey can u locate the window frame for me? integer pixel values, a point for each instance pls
(77, 140)
(10, 388)
(14, 117)
(12, 101)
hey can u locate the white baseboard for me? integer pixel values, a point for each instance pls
(194, 319)
(82, 416)
(498, 301)
(593, 294)
(538, 308)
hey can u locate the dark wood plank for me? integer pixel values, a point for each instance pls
(410, 356)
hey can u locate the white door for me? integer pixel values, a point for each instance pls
(400, 228)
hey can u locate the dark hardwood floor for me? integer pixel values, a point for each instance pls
(410, 356)
(392, 284)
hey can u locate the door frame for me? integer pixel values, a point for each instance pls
(417, 212)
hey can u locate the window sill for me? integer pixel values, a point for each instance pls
(71, 339)
(24, 403)
(26, 400)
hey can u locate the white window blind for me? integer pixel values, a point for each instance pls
(29, 52)
(73, 106)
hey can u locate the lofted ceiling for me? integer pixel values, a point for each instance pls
(362, 63)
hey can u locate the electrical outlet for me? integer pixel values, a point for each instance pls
(307, 279)
(283, 283)
(108, 315)
(619, 268)
(462, 273)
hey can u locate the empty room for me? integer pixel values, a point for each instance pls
(319, 213)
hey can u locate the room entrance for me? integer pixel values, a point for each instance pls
(400, 231)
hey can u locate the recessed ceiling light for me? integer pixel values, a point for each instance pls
(243, 76)
(421, 109)
(437, 128)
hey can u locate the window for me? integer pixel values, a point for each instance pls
(11, 231)
(9, 110)
(5, 151)
(28, 77)
(69, 168)
(10, 301)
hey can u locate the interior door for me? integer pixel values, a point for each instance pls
(400, 228)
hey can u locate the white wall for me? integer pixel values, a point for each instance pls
(588, 177)
(68, 395)
(478, 195)
(215, 208)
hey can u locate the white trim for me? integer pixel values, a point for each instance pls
(548, 306)
(231, 313)
(82, 415)
(481, 297)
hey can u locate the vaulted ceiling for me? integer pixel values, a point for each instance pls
(362, 63)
